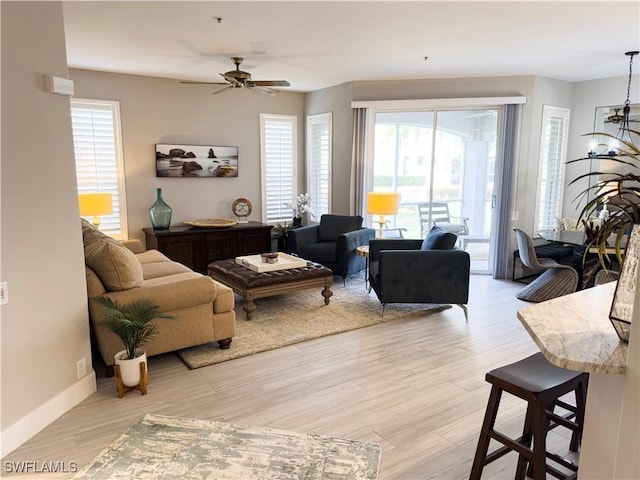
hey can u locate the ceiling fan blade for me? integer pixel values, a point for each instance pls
(231, 80)
(270, 83)
(223, 89)
(262, 89)
(201, 83)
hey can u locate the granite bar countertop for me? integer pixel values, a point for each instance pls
(574, 331)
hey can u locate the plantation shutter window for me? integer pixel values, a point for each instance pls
(278, 144)
(318, 163)
(98, 157)
(553, 155)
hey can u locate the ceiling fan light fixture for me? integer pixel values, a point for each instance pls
(624, 131)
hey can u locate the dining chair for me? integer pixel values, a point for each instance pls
(556, 279)
(605, 276)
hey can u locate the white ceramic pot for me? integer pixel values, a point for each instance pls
(130, 368)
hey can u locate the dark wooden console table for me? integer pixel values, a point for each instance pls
(198, 247)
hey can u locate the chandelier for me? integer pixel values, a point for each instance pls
(624, 132)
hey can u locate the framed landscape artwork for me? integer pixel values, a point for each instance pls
(190, 161)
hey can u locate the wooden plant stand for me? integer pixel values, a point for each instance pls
(142, 386)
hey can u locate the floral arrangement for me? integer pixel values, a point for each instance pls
(302, 206)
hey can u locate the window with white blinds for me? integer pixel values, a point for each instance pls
(98, 156)
(318, 163)
(278, 158)
(553, 155)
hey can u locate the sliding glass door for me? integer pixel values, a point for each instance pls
(442, 163)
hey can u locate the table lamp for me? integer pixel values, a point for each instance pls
(94, 205)
(382, 203)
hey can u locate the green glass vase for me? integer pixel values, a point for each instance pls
(160, 213)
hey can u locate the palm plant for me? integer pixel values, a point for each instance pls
(131, 322)
(619, 191)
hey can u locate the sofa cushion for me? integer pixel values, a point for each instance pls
(162, 269)
(322, 252)
(438, 239)
(151, 256)
(332, 226)
(95, 287)
(115, 265)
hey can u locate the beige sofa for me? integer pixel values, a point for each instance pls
(125, 272)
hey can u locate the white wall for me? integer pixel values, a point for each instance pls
(337, 100)
(157, 110)
(45, 327)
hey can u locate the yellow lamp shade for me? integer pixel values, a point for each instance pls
(382, 203)
(95, 204)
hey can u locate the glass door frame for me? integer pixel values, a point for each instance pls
(435, 110)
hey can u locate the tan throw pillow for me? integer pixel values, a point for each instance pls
(115, 265)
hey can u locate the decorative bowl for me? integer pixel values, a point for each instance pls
(212, 222)
(269, 257)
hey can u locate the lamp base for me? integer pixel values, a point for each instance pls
(381, 223)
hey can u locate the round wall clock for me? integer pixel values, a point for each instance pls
(241, 208)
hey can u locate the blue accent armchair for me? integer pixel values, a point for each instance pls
(332, 243)
(402, 271)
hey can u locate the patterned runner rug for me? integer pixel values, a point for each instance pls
(163, 447)
(296, 317)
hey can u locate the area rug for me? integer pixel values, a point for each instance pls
(296, 317)
(164, 447)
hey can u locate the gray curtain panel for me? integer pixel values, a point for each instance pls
(504, 191)
(358, 159)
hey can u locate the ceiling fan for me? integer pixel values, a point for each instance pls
(616, 117)
(240, 79)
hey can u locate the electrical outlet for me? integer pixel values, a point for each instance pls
(4, 293)
(81, 368)
(514, 216)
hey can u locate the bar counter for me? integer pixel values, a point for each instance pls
(574, 332)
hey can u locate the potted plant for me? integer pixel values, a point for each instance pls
(616, 193)
(132, 324)
(619, 222)
(280, 232)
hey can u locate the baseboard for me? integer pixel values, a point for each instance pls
(25, 428)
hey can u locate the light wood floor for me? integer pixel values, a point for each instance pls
(416, 387)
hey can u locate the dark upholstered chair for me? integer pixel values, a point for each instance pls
(332, 243)
(419, 271)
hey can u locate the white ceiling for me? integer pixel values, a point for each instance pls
(317, 44)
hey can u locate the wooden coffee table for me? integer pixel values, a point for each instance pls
(251, 285)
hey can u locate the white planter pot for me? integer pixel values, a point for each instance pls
(130, 368)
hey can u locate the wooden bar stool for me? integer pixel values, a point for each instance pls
(541, 384)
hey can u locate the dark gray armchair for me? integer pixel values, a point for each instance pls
(332, 243)
(400, 272)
